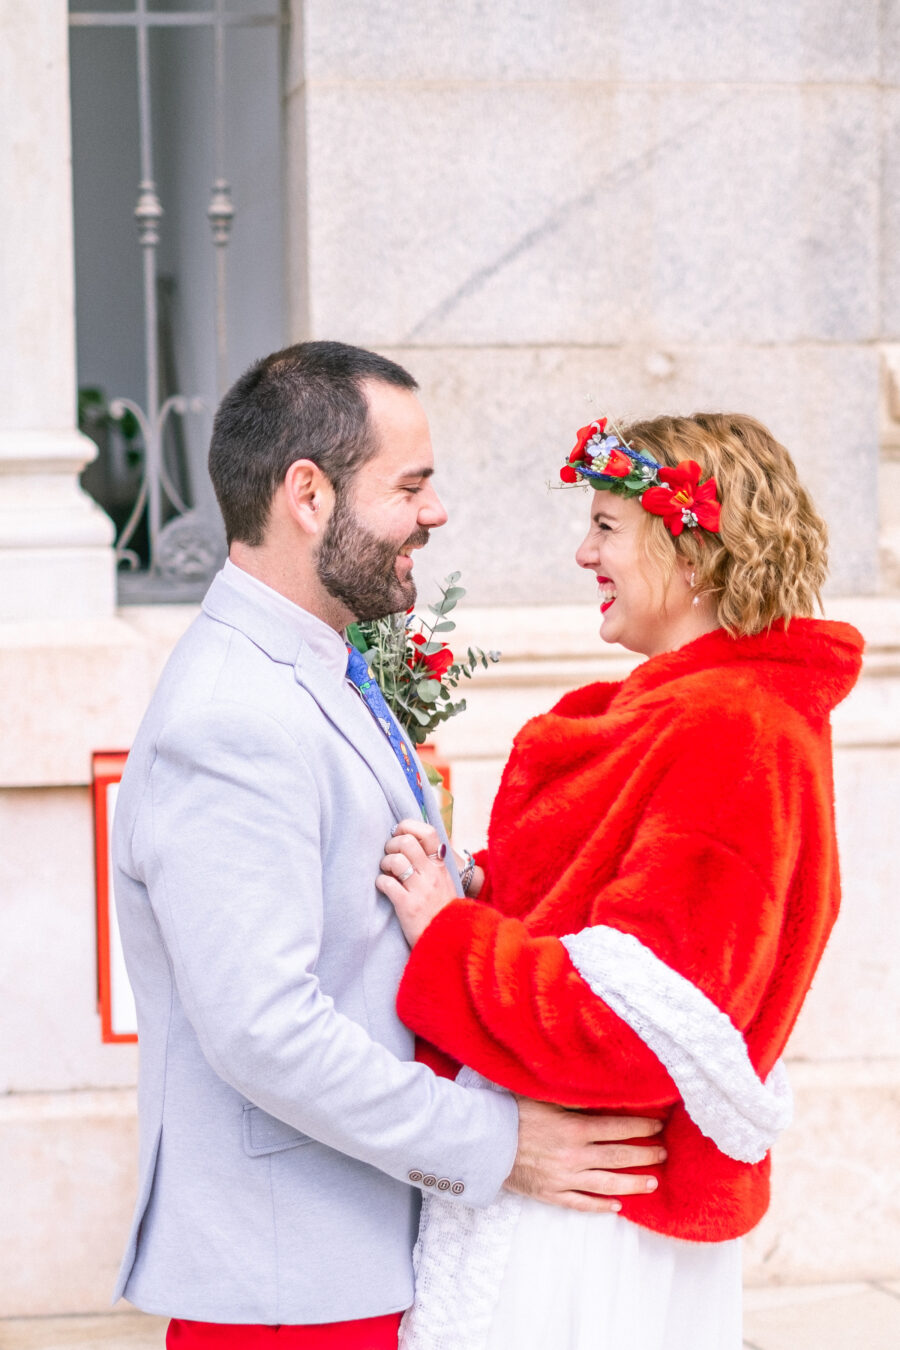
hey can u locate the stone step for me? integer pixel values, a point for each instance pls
(797, 1317)
(108, 1331)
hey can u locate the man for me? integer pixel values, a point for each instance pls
(285, 1129)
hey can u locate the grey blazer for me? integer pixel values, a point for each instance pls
(283, 1123)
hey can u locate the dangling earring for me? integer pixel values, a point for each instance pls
(696, 599)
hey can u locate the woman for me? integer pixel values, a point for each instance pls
(660, 880)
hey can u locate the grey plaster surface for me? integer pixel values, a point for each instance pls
(593, 213)
(558, 211)
(890, 219)
(796, 40)
(890, 38)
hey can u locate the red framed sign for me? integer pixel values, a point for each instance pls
(118, 1020)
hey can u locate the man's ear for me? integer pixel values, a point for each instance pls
(307, 495)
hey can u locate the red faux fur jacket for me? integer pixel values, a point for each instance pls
(690, 807)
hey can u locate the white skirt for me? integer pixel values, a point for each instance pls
(521, 1275)
(578, 1281)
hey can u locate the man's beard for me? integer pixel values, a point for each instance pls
(357, 567)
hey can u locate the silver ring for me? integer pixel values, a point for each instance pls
(407, 874)
(440, 855)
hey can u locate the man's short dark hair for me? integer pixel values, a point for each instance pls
(305, 402)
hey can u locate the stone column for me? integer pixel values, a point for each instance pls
(55, 556)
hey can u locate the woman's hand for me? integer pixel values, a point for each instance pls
(414, 878)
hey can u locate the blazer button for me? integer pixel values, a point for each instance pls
(429, 1180)
(415, 1176)
(443, 1184)
(457, 1188)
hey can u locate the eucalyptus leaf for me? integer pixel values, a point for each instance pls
(356, 637)
(428, 690)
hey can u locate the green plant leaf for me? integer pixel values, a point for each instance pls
(356, 637)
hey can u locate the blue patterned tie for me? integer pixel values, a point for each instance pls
(359, 673)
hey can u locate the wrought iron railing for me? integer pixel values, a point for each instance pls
(184, 545)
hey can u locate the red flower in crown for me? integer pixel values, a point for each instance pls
(584, 435)
(437, 663)
(617, 464)
(684, 502)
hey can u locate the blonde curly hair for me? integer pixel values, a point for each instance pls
(769, 559)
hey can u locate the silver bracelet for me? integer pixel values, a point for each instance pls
(468, 872)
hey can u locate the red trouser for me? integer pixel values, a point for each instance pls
(369, 1333)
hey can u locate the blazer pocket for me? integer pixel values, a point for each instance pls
(267, 1134)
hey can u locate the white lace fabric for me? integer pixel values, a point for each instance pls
(459, 1261)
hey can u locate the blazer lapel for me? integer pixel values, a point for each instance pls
(224, 603)
(362, 732)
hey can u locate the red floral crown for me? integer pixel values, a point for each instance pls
(605, 461)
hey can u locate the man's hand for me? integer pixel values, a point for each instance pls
(563, 1154)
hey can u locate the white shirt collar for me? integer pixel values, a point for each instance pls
(327, 645)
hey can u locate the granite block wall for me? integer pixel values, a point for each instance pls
(550, 212)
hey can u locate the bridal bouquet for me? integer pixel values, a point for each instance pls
(414, 666)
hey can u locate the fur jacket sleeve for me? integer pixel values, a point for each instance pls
(687, 812)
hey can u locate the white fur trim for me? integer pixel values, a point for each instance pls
(700, 1046)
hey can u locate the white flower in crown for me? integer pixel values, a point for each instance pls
(598, 450)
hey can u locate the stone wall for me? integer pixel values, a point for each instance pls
(555, 211)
